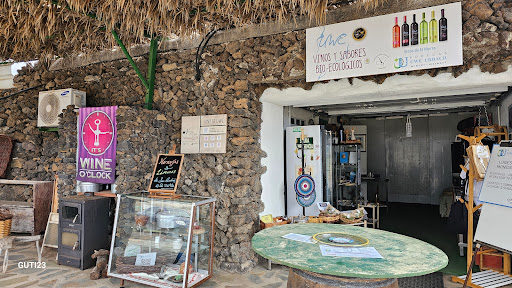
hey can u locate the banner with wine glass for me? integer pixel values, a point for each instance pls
(411, 40)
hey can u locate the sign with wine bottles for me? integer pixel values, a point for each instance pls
(411, 40)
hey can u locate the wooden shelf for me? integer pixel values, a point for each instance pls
(104, 193)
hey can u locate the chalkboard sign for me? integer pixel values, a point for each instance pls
(167, 173)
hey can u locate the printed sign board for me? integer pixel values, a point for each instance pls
(97, 144)
(411, 40)
(497, 187)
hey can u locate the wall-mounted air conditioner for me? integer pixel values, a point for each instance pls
(51, 104)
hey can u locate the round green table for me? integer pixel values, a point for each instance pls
(403, 256)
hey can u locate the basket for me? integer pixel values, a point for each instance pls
(330, 218)
(5, 222)
(5, 154)
(314, 219)
(268, 225)
(354, 216)
(5, 228)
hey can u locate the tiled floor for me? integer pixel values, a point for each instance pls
(62, 276)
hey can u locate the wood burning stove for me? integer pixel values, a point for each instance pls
(83, 228)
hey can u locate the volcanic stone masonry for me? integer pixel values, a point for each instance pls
(233, 77)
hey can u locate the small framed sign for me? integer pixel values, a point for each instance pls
(166, 174)
(145, 259)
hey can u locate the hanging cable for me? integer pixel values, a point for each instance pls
(24, 90)
(200, 50)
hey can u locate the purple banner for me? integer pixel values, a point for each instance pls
(97, 133)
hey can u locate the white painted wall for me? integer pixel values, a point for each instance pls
(395, 87)
(299, 114)
(272, 142)
(6, 77)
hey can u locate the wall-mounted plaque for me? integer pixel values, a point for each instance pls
(204, 134)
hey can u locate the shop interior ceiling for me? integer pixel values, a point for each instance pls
(429, 105)
(397, 95)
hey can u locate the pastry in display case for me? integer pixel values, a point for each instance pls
(163, 242)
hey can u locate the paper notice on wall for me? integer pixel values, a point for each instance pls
(190, 127)
(357, 252)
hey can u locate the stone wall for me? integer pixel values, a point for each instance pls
(234, 75)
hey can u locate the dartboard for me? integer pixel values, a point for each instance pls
(306, 201)
(304, 185)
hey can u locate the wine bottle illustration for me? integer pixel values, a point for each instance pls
(443, 27)
(433, 28)
(414, 31)
(405, 32)
(396, 34)
(423, 31)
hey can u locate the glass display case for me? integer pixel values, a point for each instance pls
(162, 242)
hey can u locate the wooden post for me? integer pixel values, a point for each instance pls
(470, 207)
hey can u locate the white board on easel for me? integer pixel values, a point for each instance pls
(496, 194)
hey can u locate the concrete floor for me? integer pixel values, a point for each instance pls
(62, 276)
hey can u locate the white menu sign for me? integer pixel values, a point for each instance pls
(411, 40)
(497, 187)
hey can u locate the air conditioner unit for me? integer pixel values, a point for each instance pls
(51, 104)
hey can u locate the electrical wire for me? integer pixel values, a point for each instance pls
(200, 50)
(24, 90)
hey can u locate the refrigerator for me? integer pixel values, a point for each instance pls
(317, 162)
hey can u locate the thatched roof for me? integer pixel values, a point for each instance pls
(44, 29)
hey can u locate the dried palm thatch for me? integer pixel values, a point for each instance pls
(45, 29)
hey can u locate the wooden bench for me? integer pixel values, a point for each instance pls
(30, 217)
(7, 242)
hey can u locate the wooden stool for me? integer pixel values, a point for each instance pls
(6, 244)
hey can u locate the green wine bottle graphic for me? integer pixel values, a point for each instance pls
(423, 31)
(433, 28)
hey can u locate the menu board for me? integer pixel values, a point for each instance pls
(166, 173)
